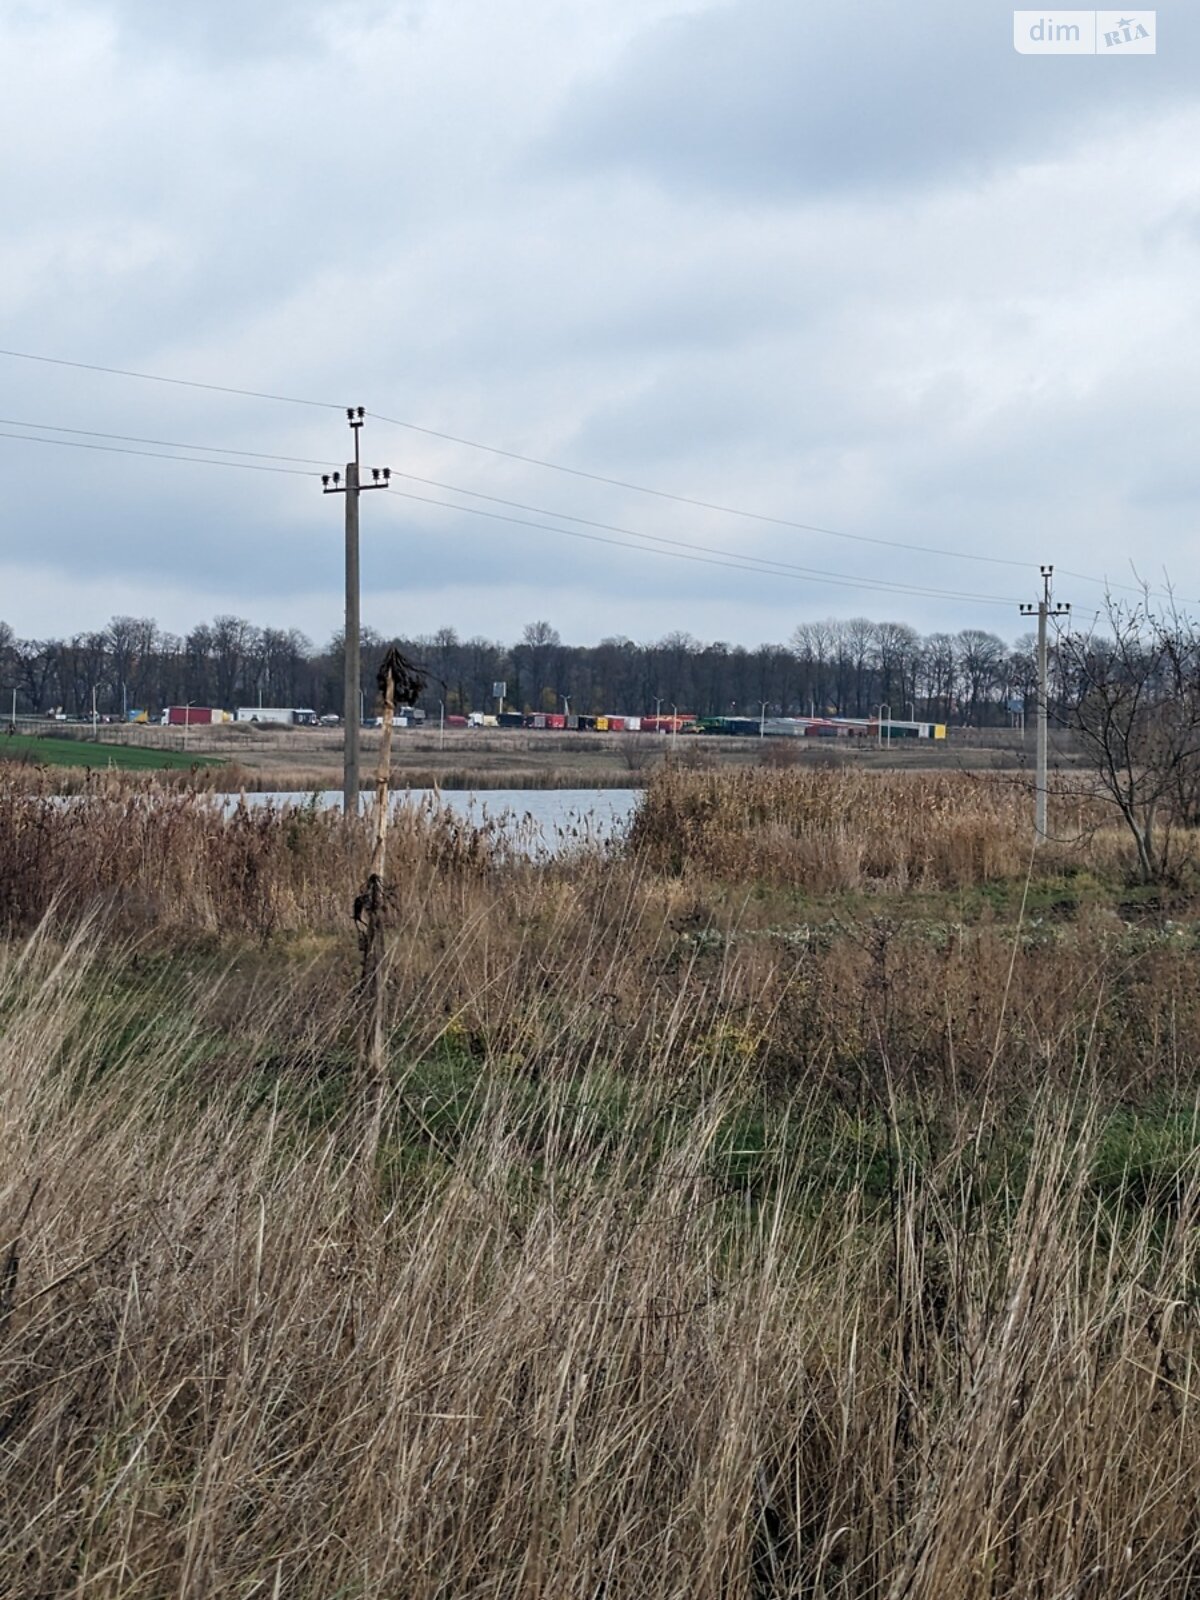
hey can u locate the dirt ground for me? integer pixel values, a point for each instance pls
(306, 758)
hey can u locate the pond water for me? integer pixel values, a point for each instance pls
(537, 819)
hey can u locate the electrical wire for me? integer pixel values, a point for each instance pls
(168, 444)
(477, 494)
(762, 566)
(746, 562)
(775, 565)
(753, 516)
(577, 472)
(682, 550)
(153, 455)
(182, 383)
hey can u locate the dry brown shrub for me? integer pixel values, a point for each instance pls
(780, 753)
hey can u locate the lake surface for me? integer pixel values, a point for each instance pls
(535, 819)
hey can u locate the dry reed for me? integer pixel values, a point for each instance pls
(830, 828)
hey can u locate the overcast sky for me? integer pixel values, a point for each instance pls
(863, 268)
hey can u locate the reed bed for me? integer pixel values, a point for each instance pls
(831, 828)
(154, 856)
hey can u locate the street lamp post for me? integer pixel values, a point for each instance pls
(762, 721)
(441, 724)
(674, 727)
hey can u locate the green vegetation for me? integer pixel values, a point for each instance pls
(798, 1202)
(52, 751)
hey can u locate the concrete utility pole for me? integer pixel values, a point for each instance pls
(331, 483)
(1045, 610)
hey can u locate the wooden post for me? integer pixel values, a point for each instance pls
(370, 907)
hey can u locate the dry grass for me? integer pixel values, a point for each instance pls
(148, 856)
(548, 1352)
(828, 828)
(718, 1246)
(307, 780)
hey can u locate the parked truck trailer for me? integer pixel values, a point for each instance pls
(191, 716)
(280, 716)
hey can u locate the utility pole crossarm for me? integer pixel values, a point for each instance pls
(331, 483)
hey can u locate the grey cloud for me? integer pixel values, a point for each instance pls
(996, 360)
(770, 98)
(231, 30)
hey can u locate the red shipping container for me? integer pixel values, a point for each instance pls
(190, 716)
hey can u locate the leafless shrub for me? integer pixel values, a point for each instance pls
(636, 750)
(781, 753)
(1135, 709)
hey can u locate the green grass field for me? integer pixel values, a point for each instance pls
(68, 752)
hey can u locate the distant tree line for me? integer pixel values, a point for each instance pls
(851, 667)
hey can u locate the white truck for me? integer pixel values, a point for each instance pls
(280, 716)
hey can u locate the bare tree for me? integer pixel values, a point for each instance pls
(1136, 711)
(980, 661)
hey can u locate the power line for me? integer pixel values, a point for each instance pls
(153, 455)
(536, 461)
(708, 554)
(736, 511)
(763, 566)
(477, 494)
(576, 472)
(182, 383)
(680, 549)
(707, 505)
(821, 573)
(743, 564)
(169, 444)
(455, 488)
